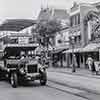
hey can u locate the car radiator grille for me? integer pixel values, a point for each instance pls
(32, 68)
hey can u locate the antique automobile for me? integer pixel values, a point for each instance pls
(19, 65)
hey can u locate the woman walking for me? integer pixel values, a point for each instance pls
(91, 64)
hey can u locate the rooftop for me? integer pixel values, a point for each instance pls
(48, 13)
(16, 24)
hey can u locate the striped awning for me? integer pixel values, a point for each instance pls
(57, 51)
(75, 50)
(21, 45)
(91, 47)
(16, 24)
(75, 33)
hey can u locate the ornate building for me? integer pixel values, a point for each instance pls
(80, 30)
(61, 40)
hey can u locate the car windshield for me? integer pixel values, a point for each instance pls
(11, 52)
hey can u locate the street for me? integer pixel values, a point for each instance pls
(34, 92)
(49, 50)
(57, 88)
(86, 86)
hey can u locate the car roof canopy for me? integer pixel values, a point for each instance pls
(15, 49)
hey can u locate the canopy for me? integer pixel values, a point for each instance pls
(16, 49)
(20, 46)
(58, 51)
(16, 24)
(75, 33)
(75, 50)
(91, 47)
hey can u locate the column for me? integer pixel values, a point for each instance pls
(99, 54)
(69, 60)
(84, 61)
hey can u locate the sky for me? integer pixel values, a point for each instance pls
(29, 9)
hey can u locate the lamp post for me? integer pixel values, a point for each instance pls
(73, 58)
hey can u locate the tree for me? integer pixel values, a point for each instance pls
(46, 30)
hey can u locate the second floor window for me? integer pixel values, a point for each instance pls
(59, 41)
(11, 41)
(75, 20)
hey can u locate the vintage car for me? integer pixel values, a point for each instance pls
(20, 69)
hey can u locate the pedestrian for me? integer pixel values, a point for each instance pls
(97, 66)
(75, 61)
(91, 64)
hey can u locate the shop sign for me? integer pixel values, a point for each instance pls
(23, 40)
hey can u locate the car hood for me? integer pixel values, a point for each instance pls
(32, 62)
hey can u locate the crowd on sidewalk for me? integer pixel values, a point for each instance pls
(92, 67)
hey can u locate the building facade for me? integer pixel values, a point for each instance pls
(16, 32)
(86, 40)
(80, 30)
(60, 41)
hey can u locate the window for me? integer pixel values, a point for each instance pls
(59, 41)
(80, 38)
(78, 18)
(71, 21)
(14, 41)
(64, 56)
(75, 20)
(75, 39)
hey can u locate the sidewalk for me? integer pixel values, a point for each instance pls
(79, 72)
(82, 79)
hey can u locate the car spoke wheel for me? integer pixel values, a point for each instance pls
(14, 80)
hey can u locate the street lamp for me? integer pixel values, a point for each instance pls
(73, 58)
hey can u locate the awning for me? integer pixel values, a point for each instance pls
(75, 33)
(16, 24)
(91, 47)
(20, 46)
(57, 51)
(75, 50)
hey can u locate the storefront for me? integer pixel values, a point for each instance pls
(58, 57)
(81, 54)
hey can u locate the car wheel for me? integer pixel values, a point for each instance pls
(14, 80)
(43, 79)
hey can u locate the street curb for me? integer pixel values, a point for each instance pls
(75, 74)
(77, 87)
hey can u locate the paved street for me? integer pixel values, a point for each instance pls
(88, 84)
(60, 86)
(35, 92)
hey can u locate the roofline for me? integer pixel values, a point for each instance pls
(21, 45)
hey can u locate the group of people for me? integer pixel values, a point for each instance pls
(93, 67)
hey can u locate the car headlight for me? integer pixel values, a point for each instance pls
(22, 70)
(41, 69)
